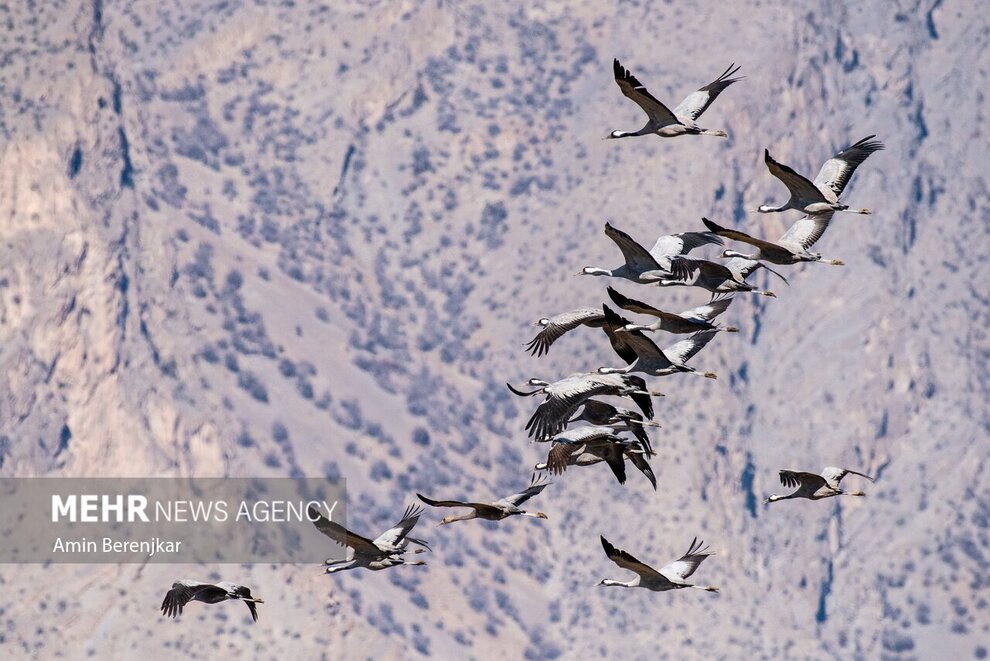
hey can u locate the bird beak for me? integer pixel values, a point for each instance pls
(658, 394)
(579, 273)
(541, 515)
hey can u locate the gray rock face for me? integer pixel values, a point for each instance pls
(252, 238)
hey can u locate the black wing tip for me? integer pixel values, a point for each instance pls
(637, 381)
(412, 510)
(610, 228)
(609, 549)
(862, 148)
(622, 73)
(619, 298)
(171, 606)
(714, 239)
(712, 226)
(611, 316)
(536, 347)
(724, 80)
(869, 141)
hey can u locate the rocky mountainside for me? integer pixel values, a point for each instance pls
(293, 238)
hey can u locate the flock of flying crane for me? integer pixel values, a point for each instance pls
(572, 399)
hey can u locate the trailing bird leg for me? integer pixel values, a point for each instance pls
(777, 274)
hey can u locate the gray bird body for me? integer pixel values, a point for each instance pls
(602, 414)
(494, 511)
(812, 486)
(608, 452)
(688, 321)
(670, 577)
(717, 278)
(563, 397)
(639, 260)
(380, 553)
(186, 590)
(642, 355)
(589, 445)
(822, 194)
(790, 248)
(663, 122)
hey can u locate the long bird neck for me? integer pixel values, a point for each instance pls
(655, 326)
(620, 584)
(735, 253)
(463, 517)
(592, 270)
